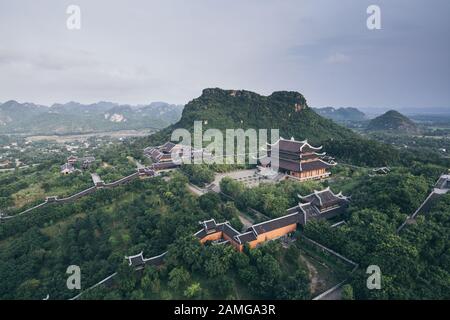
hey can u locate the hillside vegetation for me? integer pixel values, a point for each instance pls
(283, 110)
(394, 122)
(341, 114)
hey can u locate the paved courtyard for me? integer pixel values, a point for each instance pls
(249, 178)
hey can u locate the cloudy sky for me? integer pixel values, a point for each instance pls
(140, 51)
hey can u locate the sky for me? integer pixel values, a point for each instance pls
(135, 52)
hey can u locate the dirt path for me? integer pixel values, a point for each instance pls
(194, 190)
(335, 295)
(313, 275)
(246, 222)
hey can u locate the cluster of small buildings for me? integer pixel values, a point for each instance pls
(69, 166)
(298, 159)
(171, 155)
(4, 164)
(11, 155)
(319, 205)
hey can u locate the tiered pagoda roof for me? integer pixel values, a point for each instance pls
(296, 156)
(320, 204)
(294, 146)
(324, 198)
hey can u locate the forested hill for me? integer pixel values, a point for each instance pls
(341, 114)
(287, 111)
(393, 121)
(283, 110)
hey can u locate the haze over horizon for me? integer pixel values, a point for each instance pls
(171, 50)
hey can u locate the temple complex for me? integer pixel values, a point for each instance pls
(318, 205)
(171, 155)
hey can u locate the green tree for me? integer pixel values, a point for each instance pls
(178, 278)
(347, 292)
(193, 291)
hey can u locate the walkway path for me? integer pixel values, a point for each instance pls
(196, 190)
(442, 187)
(90, 190)
(246, 221)
(313, 275)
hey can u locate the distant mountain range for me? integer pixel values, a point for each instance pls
(74, 117)
(393, 122)
(341, 114)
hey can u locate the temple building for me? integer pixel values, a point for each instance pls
(162, 153)
(67, 168)
(162, 156)
(298, 159)
(318, 205)
(72, 160)
(85, 161)
(323, 204)
(145, 172)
